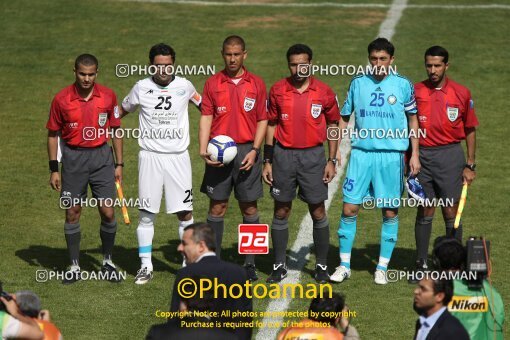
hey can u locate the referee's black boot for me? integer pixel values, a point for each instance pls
(321, 273)
(71, 276)
(251, 272)
(418, 273)
(279, 273)
(110, 273)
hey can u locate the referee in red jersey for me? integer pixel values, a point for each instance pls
(82, 113)
(446, 114)
(234, 104)
(301, 108)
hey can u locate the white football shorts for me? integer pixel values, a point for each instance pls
(171, 172)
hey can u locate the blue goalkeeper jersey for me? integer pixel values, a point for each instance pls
(380, 109)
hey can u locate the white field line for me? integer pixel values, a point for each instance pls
(300, 251)
(326, 4)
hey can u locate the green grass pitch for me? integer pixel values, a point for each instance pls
(39, 42)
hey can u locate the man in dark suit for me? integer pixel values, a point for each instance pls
(435, 323)
(198, 246)
(186, 328)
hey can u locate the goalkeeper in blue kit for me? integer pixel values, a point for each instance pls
(385, 111)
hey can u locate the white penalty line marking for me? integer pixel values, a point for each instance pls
(300, 251)
(324, 4)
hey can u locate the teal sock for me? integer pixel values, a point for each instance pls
(389, 234)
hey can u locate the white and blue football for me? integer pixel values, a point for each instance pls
(222, 149)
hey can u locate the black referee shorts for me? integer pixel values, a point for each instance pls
(303, 168)
(88, 166)
(441, 171)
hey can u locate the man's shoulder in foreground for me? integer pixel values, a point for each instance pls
(448, 327)
(213, 266)
(172, 331)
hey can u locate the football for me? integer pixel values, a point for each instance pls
(222, 149)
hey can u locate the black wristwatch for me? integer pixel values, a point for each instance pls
(257, 150)
(334, 160)
(119, 164)
(471, 167)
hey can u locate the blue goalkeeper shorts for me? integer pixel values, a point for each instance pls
(376, 174)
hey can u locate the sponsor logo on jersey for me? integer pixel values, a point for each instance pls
(422, 119)
(468, 304)
(72, 125)
(453, 113)
(392, 99)
(181, 92)
(378, 89)
(249, 104)
(103, 117)
(221, 109)
(316, 110)
(149, 92)
(375, 113)
(285, 116)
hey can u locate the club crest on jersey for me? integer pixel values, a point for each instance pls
(249, 104)
(392, 99)
(103, 116)
(316, 110)
(453, 113)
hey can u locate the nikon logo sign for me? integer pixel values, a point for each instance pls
(468, 304)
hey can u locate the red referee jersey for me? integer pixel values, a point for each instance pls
(301, 117)
(444, 114)
(82, 122)
(236, 109)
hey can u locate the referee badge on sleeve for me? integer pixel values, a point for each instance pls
(316, 110)
(103, 116)
(249, 104)
(453, 113)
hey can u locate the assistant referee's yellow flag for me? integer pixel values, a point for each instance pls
(462, 202)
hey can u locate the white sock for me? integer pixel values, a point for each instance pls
(145, 233)
(383, 263)
(183, 225)
(75, 267)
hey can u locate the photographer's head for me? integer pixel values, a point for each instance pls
(326, 308)
(28, 303)
(449, 254)
(198, 239)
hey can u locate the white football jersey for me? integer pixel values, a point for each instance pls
(164, 123)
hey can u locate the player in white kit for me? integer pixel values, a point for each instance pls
(163, 161)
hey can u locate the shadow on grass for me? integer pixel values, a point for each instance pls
(366, 259)
(58, 258)
(362, 259)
